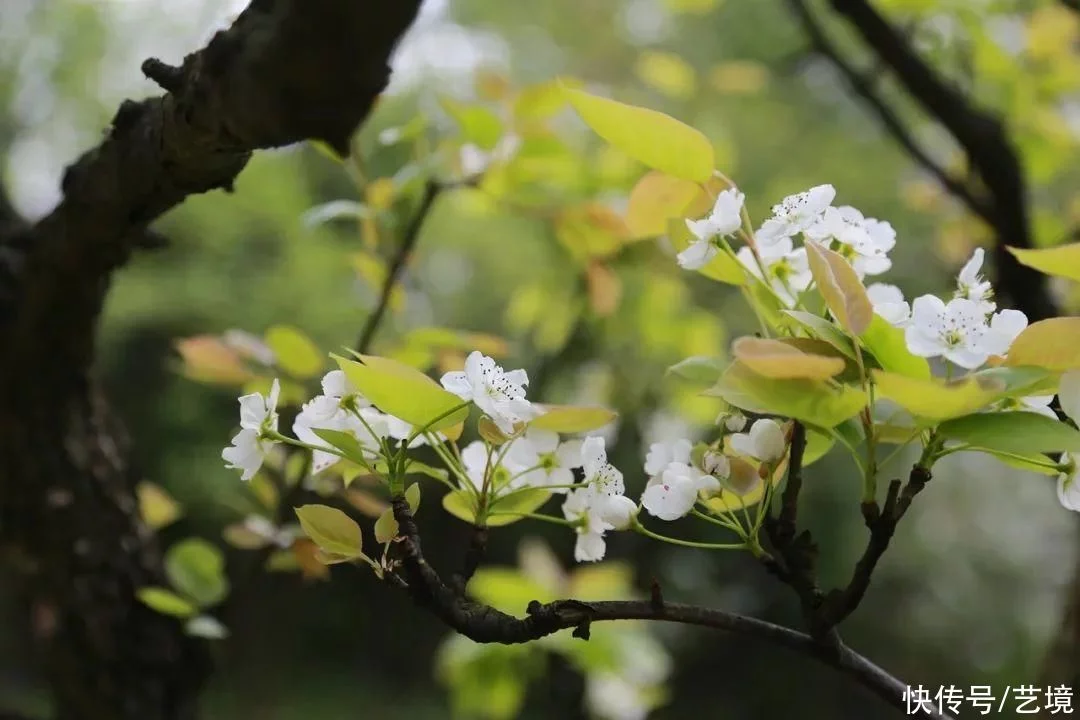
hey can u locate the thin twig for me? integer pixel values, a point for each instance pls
(432, 190)
(983, 137)
(862, 84)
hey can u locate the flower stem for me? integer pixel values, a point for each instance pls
(639, 528)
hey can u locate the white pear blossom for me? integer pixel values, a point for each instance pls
(954, 331)
(612, 697)
(865, 242)
(547, 461)
(400, 430)
(580, 508)
(889, 303)
(1005, 326)
(733, 421)
(605, 485)
(661, 455)
(970, 285)
(787, 267)
(795, 214)
(498, 393)
(672, 494)
(764, 442)
(724, 219)
(250, 446)
(503, 477)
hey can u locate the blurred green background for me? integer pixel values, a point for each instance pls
(972, 590)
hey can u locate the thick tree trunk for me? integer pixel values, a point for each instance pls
(287, 70)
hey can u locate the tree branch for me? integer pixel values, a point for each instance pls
(989, 151)
(286, 70)
(485, 624)
(863, 85)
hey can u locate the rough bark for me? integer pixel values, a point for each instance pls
(285, 71)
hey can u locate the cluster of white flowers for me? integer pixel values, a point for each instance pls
(776, 259)
(965, 330)
(676, 483)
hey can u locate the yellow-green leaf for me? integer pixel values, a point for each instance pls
(157, 507)
(507, 589)
(935, 398)
(386, 527)
(509, 509)
(295, 352)
(666, 72)
(166, 602)
(655, 199)
(841, 288)
(412, 497)
(461, 505)
(479, 125)
(817, 402)
(1061, 261)
(489, 431)
(1053, 344)
(406, 393)
(659, 141)
(886, 343)
(331, 529)
(571, 419)
(208, 359)
(775, 359)
(822, 329)
(197, 569)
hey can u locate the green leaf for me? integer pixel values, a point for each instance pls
(822, 329)
(698, 370)
(659, 141)
(1013, 432)
(1053, 344)
(479, 125)
(346, 443)
(1061, 261)
(461, 504)
(166, 602)
(818, 445)
(332, 530)
(816, 402)
(386, 527)
(886, 343)
(196, 568)
(295, 353)
(412, 497)
(1029, 462)
(1020, 381)
(415, 467)
(937, 399)
(406, 393)
(840, 286)
(505, 510)
(572, 419)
